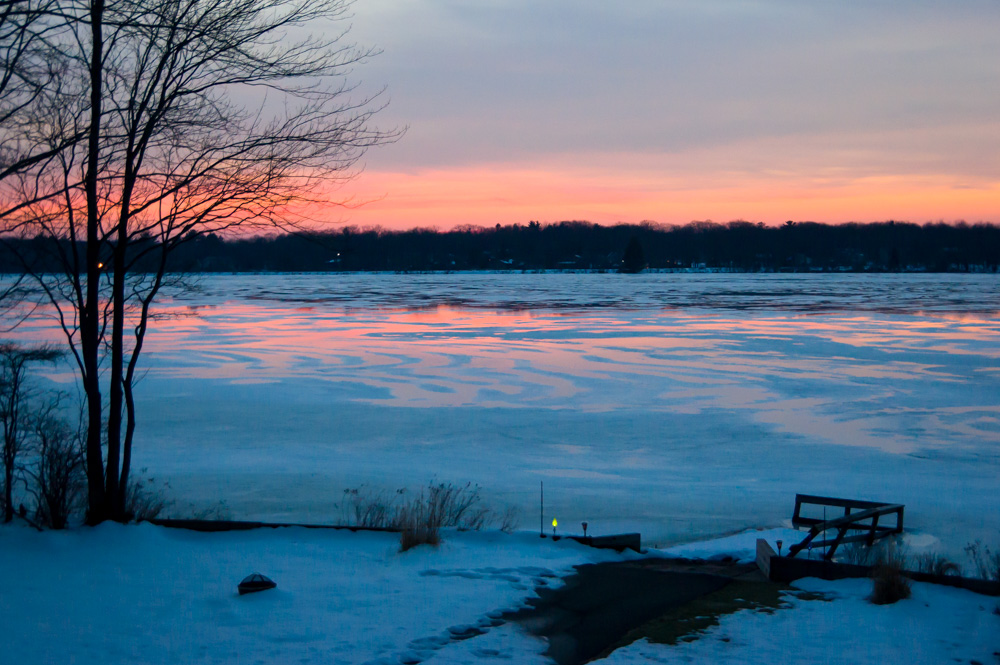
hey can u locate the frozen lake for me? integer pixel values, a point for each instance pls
(679, 405)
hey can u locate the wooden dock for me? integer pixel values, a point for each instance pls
(865, 521)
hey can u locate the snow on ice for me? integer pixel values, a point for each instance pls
(678, 405)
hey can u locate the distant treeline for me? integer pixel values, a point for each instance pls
(739, 246)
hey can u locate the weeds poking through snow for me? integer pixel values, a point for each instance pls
(888, 582)
(418, 525)
(419, 535)
(143, 500)
(218, 513)
(420, 517)
(985, 562)
(509, 519)
(367, 508)
(858, 554)
(936, 564)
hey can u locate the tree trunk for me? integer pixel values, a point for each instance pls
(8, 492)
(114, 434)
(9, 446)
(90, 315)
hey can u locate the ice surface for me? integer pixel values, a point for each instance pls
(898, 293)
(678, 405)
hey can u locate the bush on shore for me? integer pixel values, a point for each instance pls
(889, 584)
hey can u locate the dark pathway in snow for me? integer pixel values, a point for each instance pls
(602, 603)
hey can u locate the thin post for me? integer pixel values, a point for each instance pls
(541, 510)
(824, 523)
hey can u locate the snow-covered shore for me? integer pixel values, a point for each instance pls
(146, 594)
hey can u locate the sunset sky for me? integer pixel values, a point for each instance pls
(673, 111)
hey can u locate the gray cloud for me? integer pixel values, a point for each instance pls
(897, 85)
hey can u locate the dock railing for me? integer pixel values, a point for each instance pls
(863, 525)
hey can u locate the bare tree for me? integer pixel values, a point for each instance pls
(200, 117)
(15, 396)
(32, 68)
(28, 68)
(56, 479)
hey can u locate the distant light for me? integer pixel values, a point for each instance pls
(554, 523)
(100, 265)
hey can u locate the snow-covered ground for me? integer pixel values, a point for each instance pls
(145, 594)
(678, 405)
(935, 625)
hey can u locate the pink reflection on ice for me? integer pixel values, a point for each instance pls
(462, 349)
(810, 374)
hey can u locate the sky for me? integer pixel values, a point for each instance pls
(673, 111)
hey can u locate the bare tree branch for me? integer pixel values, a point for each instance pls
(165, 120)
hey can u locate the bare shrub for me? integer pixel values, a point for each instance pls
(143, 499)
(985, 562)
(58, 478)
(936, 564)
(17, 397)
(364, 507)
(888, 582)
(509, 519)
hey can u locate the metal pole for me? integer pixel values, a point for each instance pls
(827, 548)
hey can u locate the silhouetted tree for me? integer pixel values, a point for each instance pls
(169, 155)
(738, 245)
(15, 398)
(57, 479)
(633, 260)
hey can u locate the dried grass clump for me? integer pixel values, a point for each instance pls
(439, 505)
(461, 506)
(888, 582)
(410, 538)
(417, 525)
(420, 517)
